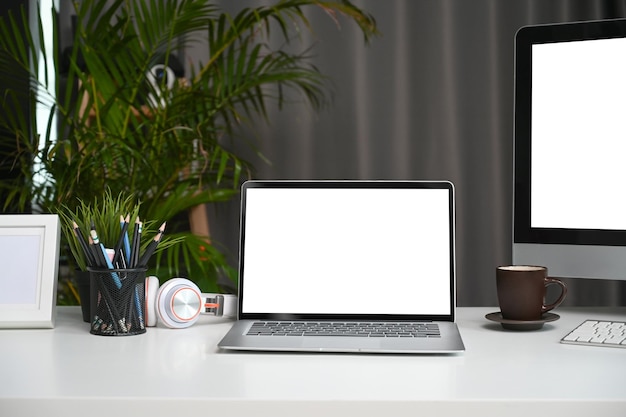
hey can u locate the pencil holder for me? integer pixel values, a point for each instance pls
(117, 301)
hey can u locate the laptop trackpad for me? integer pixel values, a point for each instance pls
(343, 343)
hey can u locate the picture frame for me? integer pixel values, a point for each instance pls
(29, 264)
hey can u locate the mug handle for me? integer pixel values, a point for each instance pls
(554, 281)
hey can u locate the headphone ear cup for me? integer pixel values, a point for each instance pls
(178, 303)
(152, 288)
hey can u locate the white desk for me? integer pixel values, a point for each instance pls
(68, 372)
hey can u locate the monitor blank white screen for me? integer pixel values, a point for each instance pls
(579, 135)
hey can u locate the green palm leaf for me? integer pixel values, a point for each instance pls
(119, 130)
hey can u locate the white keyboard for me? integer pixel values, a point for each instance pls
(598, 333)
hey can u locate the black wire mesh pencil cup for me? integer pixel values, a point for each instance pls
(117, 301)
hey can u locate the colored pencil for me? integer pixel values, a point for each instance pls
(126, 241)
(119, 247)
(152, 246)
(136, 245)
(81, 241)
(97, 251)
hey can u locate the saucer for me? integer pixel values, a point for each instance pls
(522, 324)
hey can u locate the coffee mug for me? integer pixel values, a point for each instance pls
(522, 291)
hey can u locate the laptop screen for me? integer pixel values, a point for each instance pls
(347, 248)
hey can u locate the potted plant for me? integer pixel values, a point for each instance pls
(126, 124)
(113, 217)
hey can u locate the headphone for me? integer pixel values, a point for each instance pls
(162, 79)
(178, 303)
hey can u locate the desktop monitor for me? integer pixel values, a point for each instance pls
(570, 148)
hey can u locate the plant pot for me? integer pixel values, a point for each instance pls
(82, 281)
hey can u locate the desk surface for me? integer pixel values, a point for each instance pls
(67, 371)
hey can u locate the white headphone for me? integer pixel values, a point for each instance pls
(162, 79)
(178, 303)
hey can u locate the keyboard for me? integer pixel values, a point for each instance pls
(354, 329)
(598, 333)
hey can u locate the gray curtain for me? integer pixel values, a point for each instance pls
(430, 99)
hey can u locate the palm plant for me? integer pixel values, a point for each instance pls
(123, 124)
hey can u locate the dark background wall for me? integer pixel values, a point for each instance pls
(432, 98)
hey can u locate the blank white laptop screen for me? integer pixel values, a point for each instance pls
(347, 251)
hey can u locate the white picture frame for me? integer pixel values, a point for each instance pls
(29, 264)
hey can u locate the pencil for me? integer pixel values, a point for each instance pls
(134, 254)
(103, 257)
(92, 249)
(83, 244)
(109, 264)
(119, 249)
(97, 251)
(126, 241)
(152, 246)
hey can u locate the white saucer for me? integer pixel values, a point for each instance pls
(522, 324)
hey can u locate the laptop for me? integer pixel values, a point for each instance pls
(346, 266)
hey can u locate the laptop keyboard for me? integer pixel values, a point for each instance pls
(354, 329)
